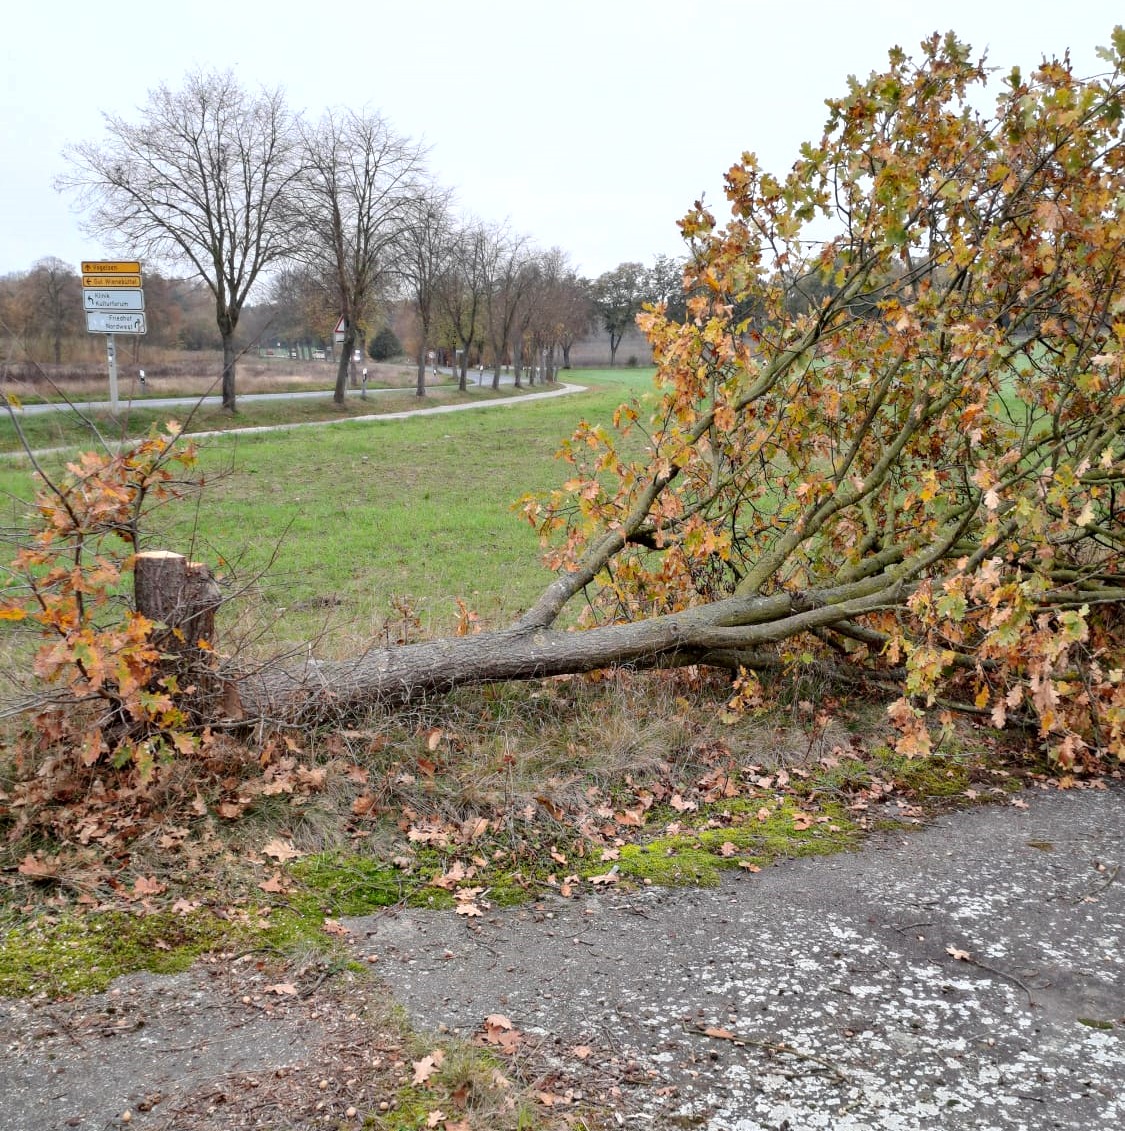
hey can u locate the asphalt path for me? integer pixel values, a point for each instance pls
(558, 390)
(216, 399)
(965, 975)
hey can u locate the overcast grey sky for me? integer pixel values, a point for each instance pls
(587, 124)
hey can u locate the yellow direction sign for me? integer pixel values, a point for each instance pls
(103, 281)
(111, 267)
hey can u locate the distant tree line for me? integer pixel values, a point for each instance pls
(258, 224)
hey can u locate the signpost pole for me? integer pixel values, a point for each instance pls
(114, 303)
(111, 356)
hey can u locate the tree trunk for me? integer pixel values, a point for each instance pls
(342, 368)
(420, 388)
(181, 597)
(614, 342)
(726, 633)
(230, 357)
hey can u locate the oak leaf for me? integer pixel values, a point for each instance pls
(427, 1066)
(281, 850)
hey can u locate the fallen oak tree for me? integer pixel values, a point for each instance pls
(901, 442)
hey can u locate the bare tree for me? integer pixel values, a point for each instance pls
(422, 253)
(505, 288)
(575, 313)
(57, 301)
(561, 313)
(357, 194)
(463, 293)
(200, 180)
(532, 284)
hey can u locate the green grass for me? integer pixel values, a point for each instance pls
(329, 531)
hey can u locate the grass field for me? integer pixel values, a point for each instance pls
(330, 532)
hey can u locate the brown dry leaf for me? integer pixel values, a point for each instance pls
(960, 955)
(281, 850)
(556, 811)
(148, 885)
(433, 1118)
(609, 877)
(433, 739)
(332, 927)
(764, 814)
(39, 867)
(460, 1125)
(802, 821)
(728, 848)
(274, 883)
(680, 805)
(720, 1034)
(427, 1066)
(230, 811)
(428, 833)
(582, 1052)
(473, 829)
(282, 989)
(312, 778)
(449, 880)
(470, 910)
(747, 866)
(364, 804)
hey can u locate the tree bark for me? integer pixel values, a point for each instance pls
(181, 597)
(344, 365)
(726, 633)
(230, 358)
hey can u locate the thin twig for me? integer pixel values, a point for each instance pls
(774, 1048)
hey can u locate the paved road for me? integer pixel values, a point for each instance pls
(462, 406)
(970, 975)
(191, 402)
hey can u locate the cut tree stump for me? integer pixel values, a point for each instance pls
(182, 596)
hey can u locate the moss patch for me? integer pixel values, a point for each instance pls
(72, 953)
(84, 953)
(339, 884)
(742, 834)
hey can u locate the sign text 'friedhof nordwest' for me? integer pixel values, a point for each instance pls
(106, 322)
